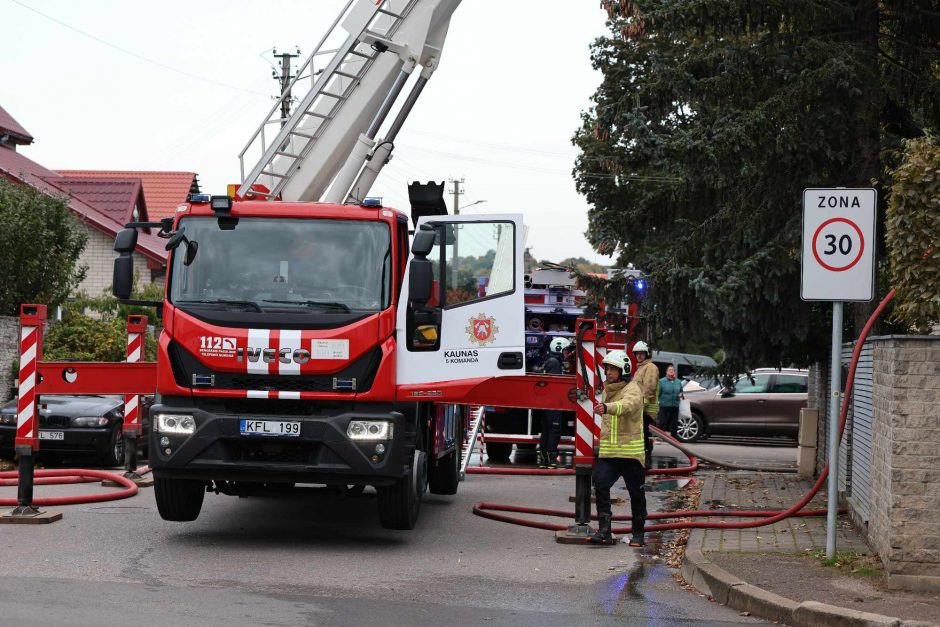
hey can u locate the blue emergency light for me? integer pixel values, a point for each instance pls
(640, 284)
(199, 199)
(372, 202)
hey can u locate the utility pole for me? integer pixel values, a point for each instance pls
(457, 192)
(284, 79)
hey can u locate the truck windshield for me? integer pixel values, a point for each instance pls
(264, 263)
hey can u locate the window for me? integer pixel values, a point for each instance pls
(478, 261)
(755, 384)
(789, 384)
(305, 264)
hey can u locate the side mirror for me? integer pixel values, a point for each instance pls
(423, 243)
(125, 241)
(420, 282)
(123, 279)
(727, 392)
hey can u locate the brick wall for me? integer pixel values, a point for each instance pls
(99, 257)
(9, 351)
(904, 527)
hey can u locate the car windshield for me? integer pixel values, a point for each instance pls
(305, 264)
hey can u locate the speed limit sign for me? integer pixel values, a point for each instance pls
(838, 244)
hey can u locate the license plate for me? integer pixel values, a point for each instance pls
(52, 435)
(286, 428)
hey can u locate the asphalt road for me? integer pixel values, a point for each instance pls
(316, 559)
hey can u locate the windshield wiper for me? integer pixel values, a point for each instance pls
(247, 304)
(312, 303)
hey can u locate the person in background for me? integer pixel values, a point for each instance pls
(550, 419)
(647, 377)
(670, 391)
(621, 451)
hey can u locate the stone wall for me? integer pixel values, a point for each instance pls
(9, 351)
(904, 527)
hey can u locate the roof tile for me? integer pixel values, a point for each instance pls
(163, 191)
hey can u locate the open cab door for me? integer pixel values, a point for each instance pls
(461, 313)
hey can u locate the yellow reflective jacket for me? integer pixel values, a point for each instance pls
(647, 377)
(622, 428)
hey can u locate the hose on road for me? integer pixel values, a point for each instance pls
(73, 475)
(487, 510)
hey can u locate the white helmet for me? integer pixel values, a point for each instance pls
(641, 347)
(559, 344)
(618, 359)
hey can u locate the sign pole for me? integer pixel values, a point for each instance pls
(835, 382)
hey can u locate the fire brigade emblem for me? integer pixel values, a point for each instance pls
(482, 329)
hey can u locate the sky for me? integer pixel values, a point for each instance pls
(172, 85)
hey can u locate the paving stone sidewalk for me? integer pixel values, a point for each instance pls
(770, 571)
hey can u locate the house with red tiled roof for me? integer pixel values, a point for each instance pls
(163, 191)
(101, 205)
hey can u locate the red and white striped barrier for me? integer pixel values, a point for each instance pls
(585, 423)
(136, 328)
(32, 321)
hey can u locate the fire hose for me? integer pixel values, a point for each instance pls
(764, 517)
(73, 475)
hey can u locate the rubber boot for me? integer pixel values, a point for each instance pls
(637, 539)
(542, 460)
(603, 535)
(553, 459)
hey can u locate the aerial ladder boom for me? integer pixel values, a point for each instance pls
(328, 149)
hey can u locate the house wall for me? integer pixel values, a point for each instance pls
(99, 257)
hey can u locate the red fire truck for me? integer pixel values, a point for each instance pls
(321, 341)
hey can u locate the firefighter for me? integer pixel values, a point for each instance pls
(647, 377)
(550, 419)
(621, 447)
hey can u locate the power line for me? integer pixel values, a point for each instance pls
(138, 56)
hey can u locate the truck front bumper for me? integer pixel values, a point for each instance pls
(321, 453)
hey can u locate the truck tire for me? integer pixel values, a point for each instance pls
(178, 499)
(498, 451)
(444, 474)
(400, 502)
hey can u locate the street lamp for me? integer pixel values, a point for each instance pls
(457, 211)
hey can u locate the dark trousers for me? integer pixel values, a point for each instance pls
(668, 419)
(550, 420)
(606, 472)
(647, 438)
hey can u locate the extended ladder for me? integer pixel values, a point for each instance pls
(474, 436)
(330, 87)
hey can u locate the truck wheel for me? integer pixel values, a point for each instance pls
(498, 451)
(445, 474)
(178, 499)
(400, 502)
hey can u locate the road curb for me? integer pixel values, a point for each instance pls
(707, 577)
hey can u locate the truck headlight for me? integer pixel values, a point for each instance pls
(90, 421)
(179, 424)
(369, 430)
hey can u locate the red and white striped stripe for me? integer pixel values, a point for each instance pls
(135, 348)
(26, 429)
(585, 423)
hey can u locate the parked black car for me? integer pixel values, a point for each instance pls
(78, 425)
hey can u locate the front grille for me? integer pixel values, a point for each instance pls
(271, 452)
(54, 421)
(363, 371)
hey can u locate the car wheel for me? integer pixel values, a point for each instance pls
(113, 455)
(690, 428)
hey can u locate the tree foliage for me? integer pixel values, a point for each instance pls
(41, 244)
(713, 116)
(102, 336)
(913, 234)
